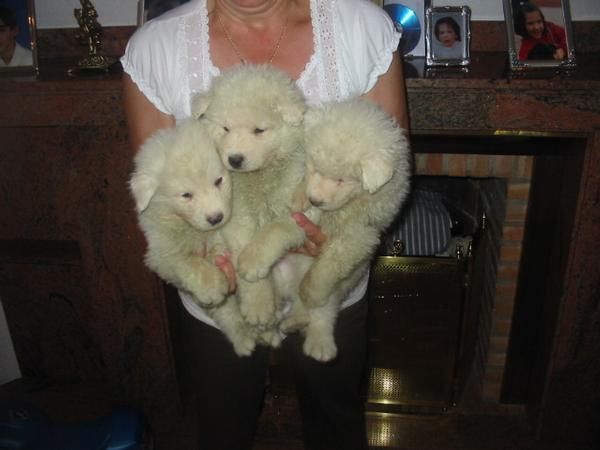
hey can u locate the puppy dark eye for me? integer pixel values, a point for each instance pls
(219, 181)
(340, 181)
(187, 195)
(226, 129)
(259, 130)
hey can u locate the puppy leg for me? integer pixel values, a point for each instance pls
(191, 273)
(268, 246)
(319, 342)
(338, 261)
(297, 319)
(257, 301)
(286, 275)
(229, 319)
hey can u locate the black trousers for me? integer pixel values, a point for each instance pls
(230, 389)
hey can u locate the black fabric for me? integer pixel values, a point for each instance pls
(329, 393)
(230, 389)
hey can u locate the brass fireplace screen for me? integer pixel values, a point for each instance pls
(422, 317)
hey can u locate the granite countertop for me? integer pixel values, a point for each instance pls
(486, 70)
(485, 97)
(491, 70)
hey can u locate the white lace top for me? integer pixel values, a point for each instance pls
(169, 57)
(169, 60)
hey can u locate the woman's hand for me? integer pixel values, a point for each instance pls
(225, 265)
(315, 237)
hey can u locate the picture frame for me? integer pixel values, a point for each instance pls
(448, 36)
(17, 19)
(552, 48)
(149, 9)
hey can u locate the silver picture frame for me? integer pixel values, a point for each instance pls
(149, 9)
(448, 36)
(22, 26)
(553, 48)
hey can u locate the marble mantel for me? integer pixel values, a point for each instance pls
(65, 162)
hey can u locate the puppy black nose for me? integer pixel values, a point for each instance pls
(236, 161)
(316, 203)
(213, 220)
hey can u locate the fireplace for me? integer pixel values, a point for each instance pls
(525, 184)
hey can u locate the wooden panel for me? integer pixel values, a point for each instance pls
(63, 179)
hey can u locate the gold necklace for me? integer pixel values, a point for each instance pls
(235, 47)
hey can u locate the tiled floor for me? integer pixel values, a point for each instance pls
(453, 430)
(280, 427)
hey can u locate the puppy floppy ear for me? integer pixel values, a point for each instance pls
(200, 103)
(375, 172)
(143, 187)
(150, 162)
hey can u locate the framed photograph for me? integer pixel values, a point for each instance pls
(149, 9)
(539, 34)
(448, 35)
(18, 45)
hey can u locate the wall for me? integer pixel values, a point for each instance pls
(59, 13)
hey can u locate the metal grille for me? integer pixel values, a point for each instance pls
(385, 386)
(414, 323)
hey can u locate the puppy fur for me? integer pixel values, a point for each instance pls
(358, 176)
(254, 114)
(182, 194)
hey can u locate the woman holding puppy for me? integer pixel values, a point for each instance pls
(334, 49)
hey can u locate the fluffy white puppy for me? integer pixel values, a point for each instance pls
(358, 176)
(182, 195)
(254, 114)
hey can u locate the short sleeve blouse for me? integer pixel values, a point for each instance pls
(169, 57)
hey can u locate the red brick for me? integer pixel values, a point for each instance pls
(480, 166)
(524, 167)
(513, 233)
(503, 166)
(510, 253)
(434, 164)
(456, 165)
(518, 191)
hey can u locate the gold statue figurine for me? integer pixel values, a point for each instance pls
(90, 34)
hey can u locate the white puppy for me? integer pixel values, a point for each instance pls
(182, 194)
(358, 173)
(255, 114)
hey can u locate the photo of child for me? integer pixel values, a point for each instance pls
(448, 42)
(540, 39)
(448, 36)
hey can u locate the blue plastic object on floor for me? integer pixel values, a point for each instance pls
(23, 427)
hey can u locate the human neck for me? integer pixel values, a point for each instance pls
(253, 13)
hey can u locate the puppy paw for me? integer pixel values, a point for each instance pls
(271, 338)
(252, 265)
(258, 311)
(296, 321)
(212, 290)
(320, 346)
(243, 344)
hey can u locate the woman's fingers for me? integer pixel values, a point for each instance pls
(315, 237)
(225, 265)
